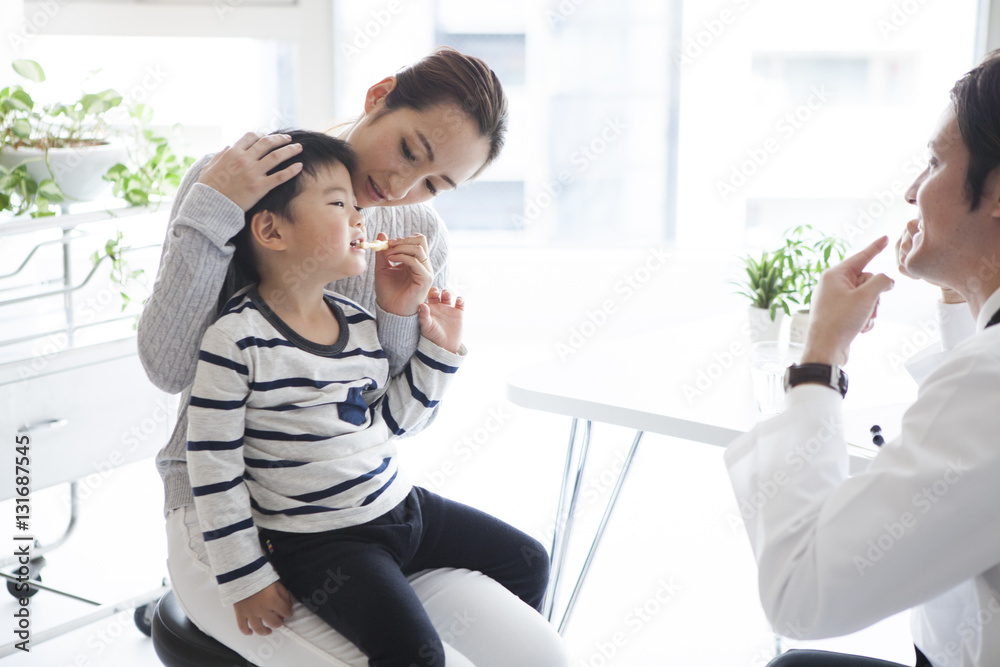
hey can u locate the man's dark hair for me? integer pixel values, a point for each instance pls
(976, 98)
(319, 151)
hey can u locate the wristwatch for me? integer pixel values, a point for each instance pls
(824, 374)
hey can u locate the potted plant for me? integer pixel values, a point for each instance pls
(808, 253)
(770, 288)
(63, 152)
(53, 153)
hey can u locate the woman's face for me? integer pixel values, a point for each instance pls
(407, 156)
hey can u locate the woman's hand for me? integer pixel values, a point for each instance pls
(844, 305)
(440, 321)
(903, 247)
(267, 607)
(403, 275)
(240, 172)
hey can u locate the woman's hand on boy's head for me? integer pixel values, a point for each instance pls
(441, 321)
(240, 171)
(403, 275)
(265, 609)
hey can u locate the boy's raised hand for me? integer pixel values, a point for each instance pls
(267, 607)
(403, 275)
(441, 321)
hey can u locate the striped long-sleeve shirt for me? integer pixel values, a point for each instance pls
(287, 434)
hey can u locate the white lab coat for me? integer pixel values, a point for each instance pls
(919, 529)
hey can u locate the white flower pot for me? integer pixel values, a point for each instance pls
(77, 171)
(762, 327)
(798, 327)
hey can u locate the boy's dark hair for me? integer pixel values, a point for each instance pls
(976, 98)
(319, 150)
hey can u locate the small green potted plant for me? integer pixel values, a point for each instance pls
(53, 153)
(770, 288)
(58, 153)
(808, 253)
(64, 152)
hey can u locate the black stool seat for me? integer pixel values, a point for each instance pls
(178, 643)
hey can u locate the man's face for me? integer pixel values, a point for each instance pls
(951, 239)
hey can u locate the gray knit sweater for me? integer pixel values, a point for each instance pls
(184, 302)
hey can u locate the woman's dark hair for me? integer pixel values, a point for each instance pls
(318, 151)
(976, 98)
(447, 76)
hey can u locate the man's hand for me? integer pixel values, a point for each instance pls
(240, 172)
(267, 607)
(403, 275)
(440, 321)
(903, 247)
(843, 306)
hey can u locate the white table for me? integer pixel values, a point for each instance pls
(689, 381)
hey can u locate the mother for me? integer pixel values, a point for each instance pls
(427, 129)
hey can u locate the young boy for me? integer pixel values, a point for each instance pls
(291, 422)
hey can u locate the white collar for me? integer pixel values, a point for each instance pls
(988, 310)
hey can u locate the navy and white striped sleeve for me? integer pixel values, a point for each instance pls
(216, 422)
(414, 394)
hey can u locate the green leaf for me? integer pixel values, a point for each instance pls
(50, 191)
(143, 113)
(21, 128)
(117, 171)
(137, 197)
(21, 100)
(29, 69)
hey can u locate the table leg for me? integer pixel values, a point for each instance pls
(569, 495)
(612, 501)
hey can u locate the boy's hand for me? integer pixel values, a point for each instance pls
(240, 172)
(403, 275)
(270, 606)
(440, 321)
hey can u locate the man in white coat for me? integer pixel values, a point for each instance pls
(920, 529)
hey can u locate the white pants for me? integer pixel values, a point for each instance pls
(480, 622)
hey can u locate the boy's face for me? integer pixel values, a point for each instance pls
(325, 220)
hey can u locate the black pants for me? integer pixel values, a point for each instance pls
(355, 578)
(800, 658)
